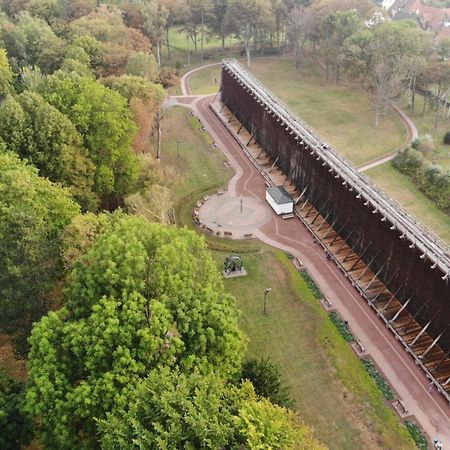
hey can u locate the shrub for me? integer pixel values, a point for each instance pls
(15, 425)
(423, 143)
(168, 77)
(267, 381)
(383, 386)
(341, 326)
(447, 138)
(311, 284)
(417, 435)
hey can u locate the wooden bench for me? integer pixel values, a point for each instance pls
(227, 233)
(360, 346)
(248, 235)
(401, 407)
(287, 216)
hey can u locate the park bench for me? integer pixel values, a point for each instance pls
(228, 233)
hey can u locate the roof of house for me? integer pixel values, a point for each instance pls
(430, 17)
(280, 195)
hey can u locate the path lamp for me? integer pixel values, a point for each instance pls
(178, 149)
(266, 292)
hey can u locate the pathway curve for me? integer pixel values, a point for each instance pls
(430, 409)
(411, 129)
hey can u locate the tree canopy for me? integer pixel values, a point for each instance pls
(33, 213)
(142, 297)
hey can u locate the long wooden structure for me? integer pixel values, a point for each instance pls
(397, 264)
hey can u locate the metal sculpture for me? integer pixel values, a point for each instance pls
(232, 264)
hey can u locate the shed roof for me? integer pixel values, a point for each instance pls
(280, 195)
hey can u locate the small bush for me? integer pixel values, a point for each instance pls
(341, 326)
(311, 284)
(379, 380)
(267, 380)
(417, 435)
(447, 138)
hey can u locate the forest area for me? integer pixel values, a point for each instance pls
(129, 338)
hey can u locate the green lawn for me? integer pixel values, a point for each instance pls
(402, 188)
(332, 391)
(341, 113)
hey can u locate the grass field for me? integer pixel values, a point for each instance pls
(341, 113)
(332, 391)
(402, 188)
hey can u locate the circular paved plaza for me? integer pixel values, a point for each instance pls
(222, 213)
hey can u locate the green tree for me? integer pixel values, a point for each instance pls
(172, 410)
(266, 379)
(12, 123)
(105, 122)
(336, 28)
(143, 65)
(32, 42)
(33, 212)
(143, 296)
(6, 75)
(382, 58)
(40, 133)
(244, 17)
(15, 426)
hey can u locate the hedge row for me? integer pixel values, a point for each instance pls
(417, 435)
(341, 326)
(383, 386)
(432, 179)
(311, 284)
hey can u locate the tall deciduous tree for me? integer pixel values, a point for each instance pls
(105, 122)
(6, 75)
(15, 426)
(243, 18)
(172, 410)
(381, 59)
(143, 296)
(33, 212)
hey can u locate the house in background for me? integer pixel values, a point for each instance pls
(430, 18)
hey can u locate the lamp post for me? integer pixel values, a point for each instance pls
(266, 292)
(178, 149)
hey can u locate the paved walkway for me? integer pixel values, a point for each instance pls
(430, 409)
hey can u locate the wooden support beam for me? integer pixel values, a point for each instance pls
(289, 176)
(353, 248)
(360, 256)
(408, 328)
(309, 210)
(217, 93)
(393, 296)
(425, 353)
(316, 216)
(424, 329)
(271, 167)
(339, 232)
(243, 123)
(260, 153)
(323, 221)
(376, 275)
(344, 241)
(441, 361)
(331, 228)
(251, 137)
(401, 309)
(368, 266)
(385, 286)
(301, 195)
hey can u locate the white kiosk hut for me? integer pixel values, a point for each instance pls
(280, 200)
